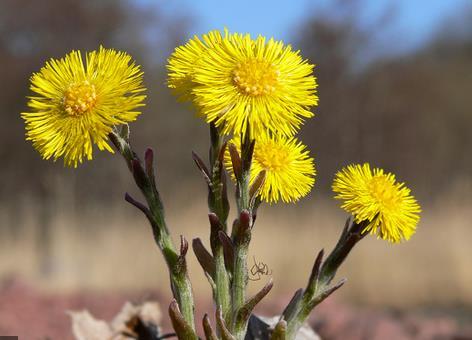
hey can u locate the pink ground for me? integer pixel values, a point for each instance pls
(30, 315)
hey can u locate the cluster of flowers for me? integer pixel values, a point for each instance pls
(256, 87)
(244, 86)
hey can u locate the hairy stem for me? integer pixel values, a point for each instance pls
(218, 204)
(318, 287)
(242, 238)
(144, 178)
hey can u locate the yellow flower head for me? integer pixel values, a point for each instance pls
(244, 84)
(182, 62)
(76, 104)
(375, 196)
(290, 171)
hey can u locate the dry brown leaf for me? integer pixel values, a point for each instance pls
(86, 327)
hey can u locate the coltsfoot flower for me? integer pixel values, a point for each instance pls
(375, 196)
(290, 171)
(243, 84)
(182, 62)
(76, 104)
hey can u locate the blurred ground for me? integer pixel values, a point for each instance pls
(112, 250)
(26, 313)
(411, 290)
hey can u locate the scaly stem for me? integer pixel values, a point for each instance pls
(242, 237)
(218, 204)
(318, 287)
(352, 233)
(222, 285)
(144, 178)
(240, 279)
(240, 276)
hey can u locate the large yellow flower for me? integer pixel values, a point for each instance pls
(375, 196)
(244, 84)
(76, 104)
(290, 171)
(182, 62)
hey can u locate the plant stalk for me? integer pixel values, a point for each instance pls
(242, 238)
(144, 178)
(318, 287)
(218, 204)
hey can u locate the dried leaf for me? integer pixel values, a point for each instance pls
(86, 327)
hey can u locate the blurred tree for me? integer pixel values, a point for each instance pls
(407, 113)
(32, 32)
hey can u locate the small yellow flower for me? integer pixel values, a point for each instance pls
(243, 84)
(375, 196)
(76, 104)
(181, 63)
(290, 171)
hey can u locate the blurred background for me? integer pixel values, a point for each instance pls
(395, 82)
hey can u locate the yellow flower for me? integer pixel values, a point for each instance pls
(76, 104)
(290, 171)
(243, 84)
(182, 62)
(375, 196)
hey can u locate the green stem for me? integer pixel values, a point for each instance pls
(298, 319)
(242, 237)
(244, 197)
(144, 178)
(240, 280)
(318, 287)
(350, 236)
(182, 291)
(218, 204)
(241, 234)
(222, 285)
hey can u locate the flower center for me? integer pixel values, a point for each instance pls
(79, 98)
(272, 157)
(256, 77)
(382, 189)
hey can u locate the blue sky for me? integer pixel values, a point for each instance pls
(414, 22)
